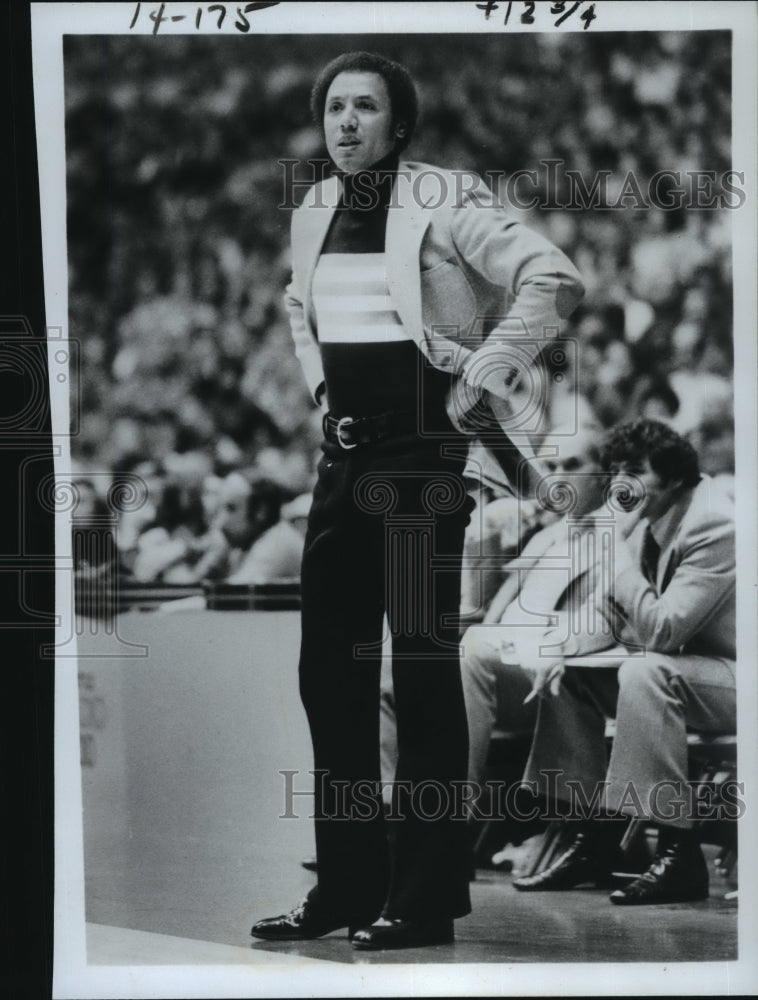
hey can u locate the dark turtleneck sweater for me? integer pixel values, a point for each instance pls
(370, 363)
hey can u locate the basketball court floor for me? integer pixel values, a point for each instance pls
(188, 721)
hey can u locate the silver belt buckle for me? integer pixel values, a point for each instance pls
(340, 423)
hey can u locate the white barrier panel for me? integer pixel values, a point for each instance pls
(182, 751)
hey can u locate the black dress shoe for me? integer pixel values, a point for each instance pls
(678, 874)
(306, 922)
(578, 865)
(384, 934)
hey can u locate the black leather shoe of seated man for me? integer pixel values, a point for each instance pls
(678, 874)
(305, 922)
(582, 863)
(387, 933)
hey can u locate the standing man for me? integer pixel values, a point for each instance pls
(673, 606)
(414, 303)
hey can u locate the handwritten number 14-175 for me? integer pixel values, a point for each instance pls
(159, 16)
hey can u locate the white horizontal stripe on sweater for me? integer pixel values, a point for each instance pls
(352, 302)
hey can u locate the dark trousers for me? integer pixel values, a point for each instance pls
(385, 535)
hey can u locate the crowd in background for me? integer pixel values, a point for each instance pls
(178, 251)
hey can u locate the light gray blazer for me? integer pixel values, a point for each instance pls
(692, 608)
(478, 292)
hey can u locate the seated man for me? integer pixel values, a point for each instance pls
(672, 604)
(264, 547)
(542, 580)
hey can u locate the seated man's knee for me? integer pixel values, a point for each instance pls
(651, 670)
(479, 648)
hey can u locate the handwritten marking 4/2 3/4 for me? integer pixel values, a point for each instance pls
(563, 11)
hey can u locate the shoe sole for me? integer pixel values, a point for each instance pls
(588, 884)
(652, 901)
(283, 937)
(352, 929)
(388, 945)
(296, 937)
(290, 937)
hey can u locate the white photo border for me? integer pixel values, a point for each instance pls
(73, 977)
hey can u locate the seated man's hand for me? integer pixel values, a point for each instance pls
(544, 670)
(546, 675)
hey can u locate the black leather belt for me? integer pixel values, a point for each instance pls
(349, 432)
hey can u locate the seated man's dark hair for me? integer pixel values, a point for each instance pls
(670, 455)
(400, 86)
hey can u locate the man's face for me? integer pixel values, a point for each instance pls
(650, 494)
(233, 520)
(358, 121)
(576, 466)
(86, 500)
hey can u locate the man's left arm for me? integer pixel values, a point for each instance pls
(702, 581)
(542, 286)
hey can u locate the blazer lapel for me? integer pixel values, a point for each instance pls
(668, 531)
(407, 221)
(313, 225)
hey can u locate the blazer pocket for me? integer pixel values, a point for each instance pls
(447, 298)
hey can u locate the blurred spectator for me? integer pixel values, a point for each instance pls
(166, 549)
(704, 398)
(89, 504)
(227, 456)
(654, 398)
(187, 468)
(296, 512)
(147, 480)
(567, 401)
(606, 366)
(713, 440)
(94, 547)
(211, 497)
(291, 467)
(95, 556)
(264, 546)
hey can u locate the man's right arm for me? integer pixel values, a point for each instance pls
(306, 346)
